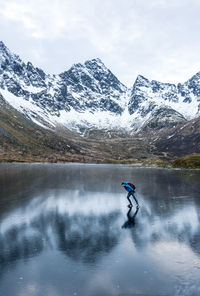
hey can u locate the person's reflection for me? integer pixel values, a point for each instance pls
(131, 219)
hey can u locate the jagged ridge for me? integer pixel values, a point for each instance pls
(89, 95)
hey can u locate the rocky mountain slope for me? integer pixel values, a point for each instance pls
(90, 96)
(59, 99)
(23, 140)
(150, 118)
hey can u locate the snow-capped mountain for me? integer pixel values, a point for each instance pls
(150, 98)
(90, 96)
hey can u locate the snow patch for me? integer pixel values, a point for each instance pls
(26, 107)
(98, 119)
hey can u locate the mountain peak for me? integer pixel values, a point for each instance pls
(141, 81)
(94, 62)
(91, 87)
(3, 49)
(5, 53)
(2, 45)
(141, 78)
(195, 76)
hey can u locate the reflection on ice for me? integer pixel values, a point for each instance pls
(64, 202)
(88, 226)
(82, 230)
(181, 225)
(131, 218)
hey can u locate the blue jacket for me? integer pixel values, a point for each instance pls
(128, 187)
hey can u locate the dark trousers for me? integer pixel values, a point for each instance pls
(133, 195)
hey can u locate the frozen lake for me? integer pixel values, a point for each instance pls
(66, 230)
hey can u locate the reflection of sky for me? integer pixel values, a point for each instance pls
(64, 202)
(180, 224)
(71, 239)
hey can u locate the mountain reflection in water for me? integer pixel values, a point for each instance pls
(77, 218)
(47, 225)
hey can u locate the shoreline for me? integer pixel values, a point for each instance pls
(135, 165)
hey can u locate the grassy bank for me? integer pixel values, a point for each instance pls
(189, 161)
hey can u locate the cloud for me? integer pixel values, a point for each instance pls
(156, 38)
(40, 19)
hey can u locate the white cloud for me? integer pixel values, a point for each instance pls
(157, 38)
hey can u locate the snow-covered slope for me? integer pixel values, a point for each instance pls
(90, 96)
(147, 97)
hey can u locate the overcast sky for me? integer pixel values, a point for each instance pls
(159, 39)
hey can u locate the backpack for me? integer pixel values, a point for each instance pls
(132, 185)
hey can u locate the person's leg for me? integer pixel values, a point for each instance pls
(133, 195)
(128, 197)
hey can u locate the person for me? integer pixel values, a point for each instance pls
(131, 190)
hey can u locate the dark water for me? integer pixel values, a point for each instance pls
(66, 230)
